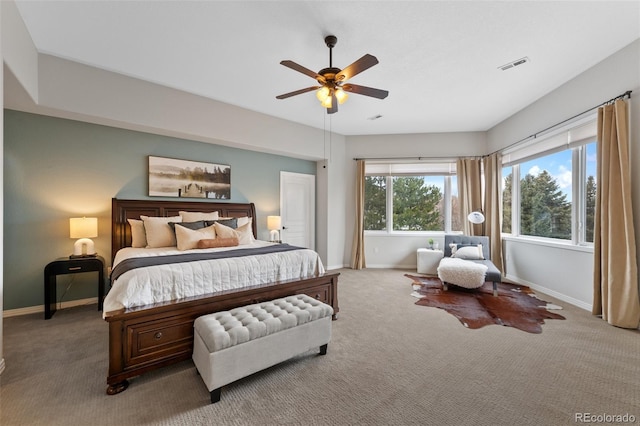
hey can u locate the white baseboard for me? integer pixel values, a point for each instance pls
(333, 267)
(40, 308)
(553, 293)
(393, 266)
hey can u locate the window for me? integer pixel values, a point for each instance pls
(549, 186)
(411, 197)
(507, 179)
(545, 197)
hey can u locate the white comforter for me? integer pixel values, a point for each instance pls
(161, 283)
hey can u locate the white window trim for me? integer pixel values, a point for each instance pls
(578, 170)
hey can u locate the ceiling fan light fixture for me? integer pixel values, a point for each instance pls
(341, 95)
(323, 93)
(331, 80)
(327, 101)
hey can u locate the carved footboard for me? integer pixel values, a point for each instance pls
(147, 338)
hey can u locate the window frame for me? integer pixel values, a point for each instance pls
(578, 147)
(447, 192)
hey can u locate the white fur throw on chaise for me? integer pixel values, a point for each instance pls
(460, 272)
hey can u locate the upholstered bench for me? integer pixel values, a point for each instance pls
(230, 345)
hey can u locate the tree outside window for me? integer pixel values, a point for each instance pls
(548, 187)
(418, 203)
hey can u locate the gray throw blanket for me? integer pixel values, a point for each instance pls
(141, 262)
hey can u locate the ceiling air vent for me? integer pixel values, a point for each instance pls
(514, 63)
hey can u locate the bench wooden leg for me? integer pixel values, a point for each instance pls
(495, 289)
(323, 349)
(445, 287)
(215, 395)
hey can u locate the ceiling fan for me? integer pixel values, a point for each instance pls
(332, 89)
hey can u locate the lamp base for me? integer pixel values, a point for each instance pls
(80, 256)
(274, 236)
(84, 247)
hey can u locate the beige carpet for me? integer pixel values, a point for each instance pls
(390, 362)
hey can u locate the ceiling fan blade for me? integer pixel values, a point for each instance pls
(364, 63)
(303, 70)
(366, 91)
(334, 104)
(297, 92)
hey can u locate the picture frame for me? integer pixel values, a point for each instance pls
(171, 177)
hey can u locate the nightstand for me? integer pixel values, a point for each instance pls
(428, 260)
(65, 265)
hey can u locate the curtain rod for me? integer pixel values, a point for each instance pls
(535, 135)
(448, 157)
(627, 93)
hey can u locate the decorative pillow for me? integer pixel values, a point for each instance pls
(195, 216)
(138, 236)
(158, 231)
(245, 232)
(231, 222)
(469, 252)
(223, 231)
(217, 242)
(199, 224)
(188, 238)
(243, 221)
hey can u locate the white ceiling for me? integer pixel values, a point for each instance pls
(438, 59)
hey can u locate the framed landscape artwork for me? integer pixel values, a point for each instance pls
(169, 177)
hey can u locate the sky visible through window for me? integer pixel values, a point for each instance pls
(558, 165)
(438, 181)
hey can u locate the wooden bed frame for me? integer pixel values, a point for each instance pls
(149, 337)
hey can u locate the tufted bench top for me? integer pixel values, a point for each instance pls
(224, 329)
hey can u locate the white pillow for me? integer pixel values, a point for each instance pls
(158, 231)
(224, 231)
(138, 237)
(245, 232)
(188, 238)
(196, 216)
(468, 252)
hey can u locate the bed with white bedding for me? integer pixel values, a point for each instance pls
(150, 308)
(172, 281)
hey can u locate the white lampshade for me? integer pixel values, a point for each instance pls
(274, 224)
(476, 218)
(83, 228)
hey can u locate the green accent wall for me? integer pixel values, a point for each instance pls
(55, 169)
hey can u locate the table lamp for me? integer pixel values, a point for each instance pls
(273, 225)
(83, 228)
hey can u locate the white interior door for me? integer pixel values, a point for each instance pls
(297, 209)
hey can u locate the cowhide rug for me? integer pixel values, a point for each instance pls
(516, 306)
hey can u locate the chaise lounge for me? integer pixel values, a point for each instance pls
(447, 267)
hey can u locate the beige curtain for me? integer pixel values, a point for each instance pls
(357, 250)
(493, 206)
(615, 269)
(469, 192)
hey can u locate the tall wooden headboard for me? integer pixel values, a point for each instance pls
(121, 210)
